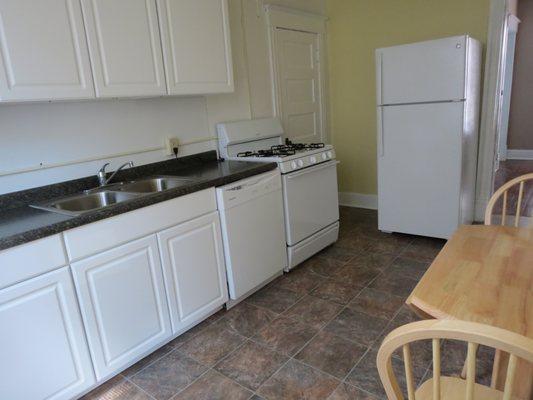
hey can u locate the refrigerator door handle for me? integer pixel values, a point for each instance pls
(381, 133)
(379, 95)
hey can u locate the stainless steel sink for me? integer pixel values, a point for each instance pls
(108, 195)
(153, 185)
(83, 203)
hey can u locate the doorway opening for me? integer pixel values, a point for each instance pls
(509, 84)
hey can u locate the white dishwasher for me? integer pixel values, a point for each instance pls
(253, 231)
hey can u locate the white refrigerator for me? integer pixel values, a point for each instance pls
(428, 98)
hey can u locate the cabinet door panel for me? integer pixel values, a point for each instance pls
(43, 350)
(123, 303)
(125, 47)
(43, 51)
(196, 46)
(194, 269)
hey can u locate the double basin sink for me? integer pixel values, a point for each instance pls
(105, 196)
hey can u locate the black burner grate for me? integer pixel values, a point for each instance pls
(282, 150)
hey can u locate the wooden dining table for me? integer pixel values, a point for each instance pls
(484, 274)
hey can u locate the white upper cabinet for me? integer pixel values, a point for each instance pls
(43, 51)
(125, 47)
(196, 46)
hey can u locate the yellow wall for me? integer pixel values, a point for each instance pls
(356, 29)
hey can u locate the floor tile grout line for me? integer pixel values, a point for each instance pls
(249, 340)
(302, 347)
(369, 348)
(209, 323)
(190, 384)
(140, 388)
(208, 368)
(150, 363)
(233, 380)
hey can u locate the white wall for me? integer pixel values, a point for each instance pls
(69, 132)
(34, 134)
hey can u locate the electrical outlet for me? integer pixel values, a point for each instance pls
(171, 143)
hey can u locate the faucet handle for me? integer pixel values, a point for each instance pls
(102, 170)
(101, 175)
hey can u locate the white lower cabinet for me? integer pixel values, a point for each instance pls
(43, 352)
(123, 304)
(195, 273)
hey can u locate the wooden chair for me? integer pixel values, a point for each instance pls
(450, 388)
(504, 190)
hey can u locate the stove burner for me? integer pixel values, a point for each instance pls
(298, 146)
(282, 150)
(273, 152)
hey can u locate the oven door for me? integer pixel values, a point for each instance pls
(311, 200)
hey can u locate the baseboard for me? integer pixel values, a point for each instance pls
(359, 200)
(517, 154)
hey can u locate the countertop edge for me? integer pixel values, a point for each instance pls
(25, 237)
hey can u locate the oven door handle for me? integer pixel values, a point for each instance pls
(312, 169)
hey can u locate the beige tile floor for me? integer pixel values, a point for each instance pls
(311, 334)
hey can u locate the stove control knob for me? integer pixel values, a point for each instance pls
(330, 154)
(300, 163)
(293, 165)
(324, 156)
(312, 160)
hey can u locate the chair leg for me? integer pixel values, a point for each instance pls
(463, 371)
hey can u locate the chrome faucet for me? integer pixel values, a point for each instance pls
(102, 174)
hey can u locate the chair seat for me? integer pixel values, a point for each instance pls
(455, 389)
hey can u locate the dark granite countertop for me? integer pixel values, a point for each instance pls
(20, 223)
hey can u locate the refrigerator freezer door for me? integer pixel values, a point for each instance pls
(422, 72)
(419, 168)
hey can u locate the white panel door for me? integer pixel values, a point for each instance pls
(125, 47)
(422, 72)
(299, 85)
(196, 46)
(195, 273)
(123, 304)
(43, 351)
(43, 51)
(419, 168)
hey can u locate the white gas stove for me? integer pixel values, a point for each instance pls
(309, 175)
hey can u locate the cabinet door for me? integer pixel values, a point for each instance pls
(196, 46)
(43, 51)
(43, 351)
(123, 304)
(195, 273)
(125, 47)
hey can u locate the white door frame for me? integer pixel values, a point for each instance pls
(490, 110)
(511, 29)
(286, 18)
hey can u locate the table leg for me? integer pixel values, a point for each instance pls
(523, 387)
